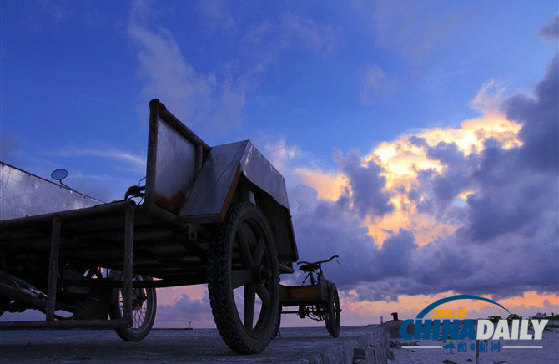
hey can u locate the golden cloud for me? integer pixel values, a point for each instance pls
(328, 185)
(401, 161)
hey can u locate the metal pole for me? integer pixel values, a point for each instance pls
(477, 351)
(53, 267)
(128, 264)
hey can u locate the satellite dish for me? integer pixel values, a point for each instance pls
(59, 175)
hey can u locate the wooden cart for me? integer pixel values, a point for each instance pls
(216, 215)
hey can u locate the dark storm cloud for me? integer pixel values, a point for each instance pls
(330, 229)
(435, 193)
(511, 220)
(367, 185)
(518, 187)
(507, 241)
(394, 259)
(540, 119)
(513, 188)
(551, 31)
(325, 228)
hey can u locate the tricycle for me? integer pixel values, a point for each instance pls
(217, 215)
(317, 300)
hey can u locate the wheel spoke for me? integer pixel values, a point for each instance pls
(259, 252)
(249, 306)
(240, 278)
(263, 293)
(244, 247)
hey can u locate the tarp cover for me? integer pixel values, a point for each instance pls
(215, 179)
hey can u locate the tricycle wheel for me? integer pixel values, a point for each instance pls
(333, 312)
(243, 266)
(144, 306)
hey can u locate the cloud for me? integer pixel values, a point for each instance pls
(265, 41)
(550, 32)
(410, 28)
(213, 101)
(375, 83)
(539, 116)
(134, 161)
(217, 14)
(466, 210)
(330, 185)
(367, 185)
(331, 228)
(184, 310)
(489, 98)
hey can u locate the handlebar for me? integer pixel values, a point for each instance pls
(310, 266)
(318, 262)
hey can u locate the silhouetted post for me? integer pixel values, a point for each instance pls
(53, 267)
(128, 264)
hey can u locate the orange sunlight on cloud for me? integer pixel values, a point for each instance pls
(328, 185)
(408, 307)
(425, 228)
(401, 161)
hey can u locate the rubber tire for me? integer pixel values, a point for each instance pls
(332, 319)
(131, 334)
(222, 302)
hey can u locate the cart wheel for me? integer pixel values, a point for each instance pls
(333, 312)
(144, 306)
(244, 264)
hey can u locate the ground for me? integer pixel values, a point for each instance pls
(296, 345)
(549, 354)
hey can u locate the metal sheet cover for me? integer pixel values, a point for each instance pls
(174, 169)
(216, 177)
(25, 194)
(263, 174)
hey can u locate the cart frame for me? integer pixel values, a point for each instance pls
(144, 239)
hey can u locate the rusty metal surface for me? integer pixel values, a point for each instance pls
(301, 295)
(174, 169)
(185, 175)
(175, 156)
(25, 194)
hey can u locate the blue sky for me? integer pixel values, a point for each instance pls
(321, 75)
(420, 137)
